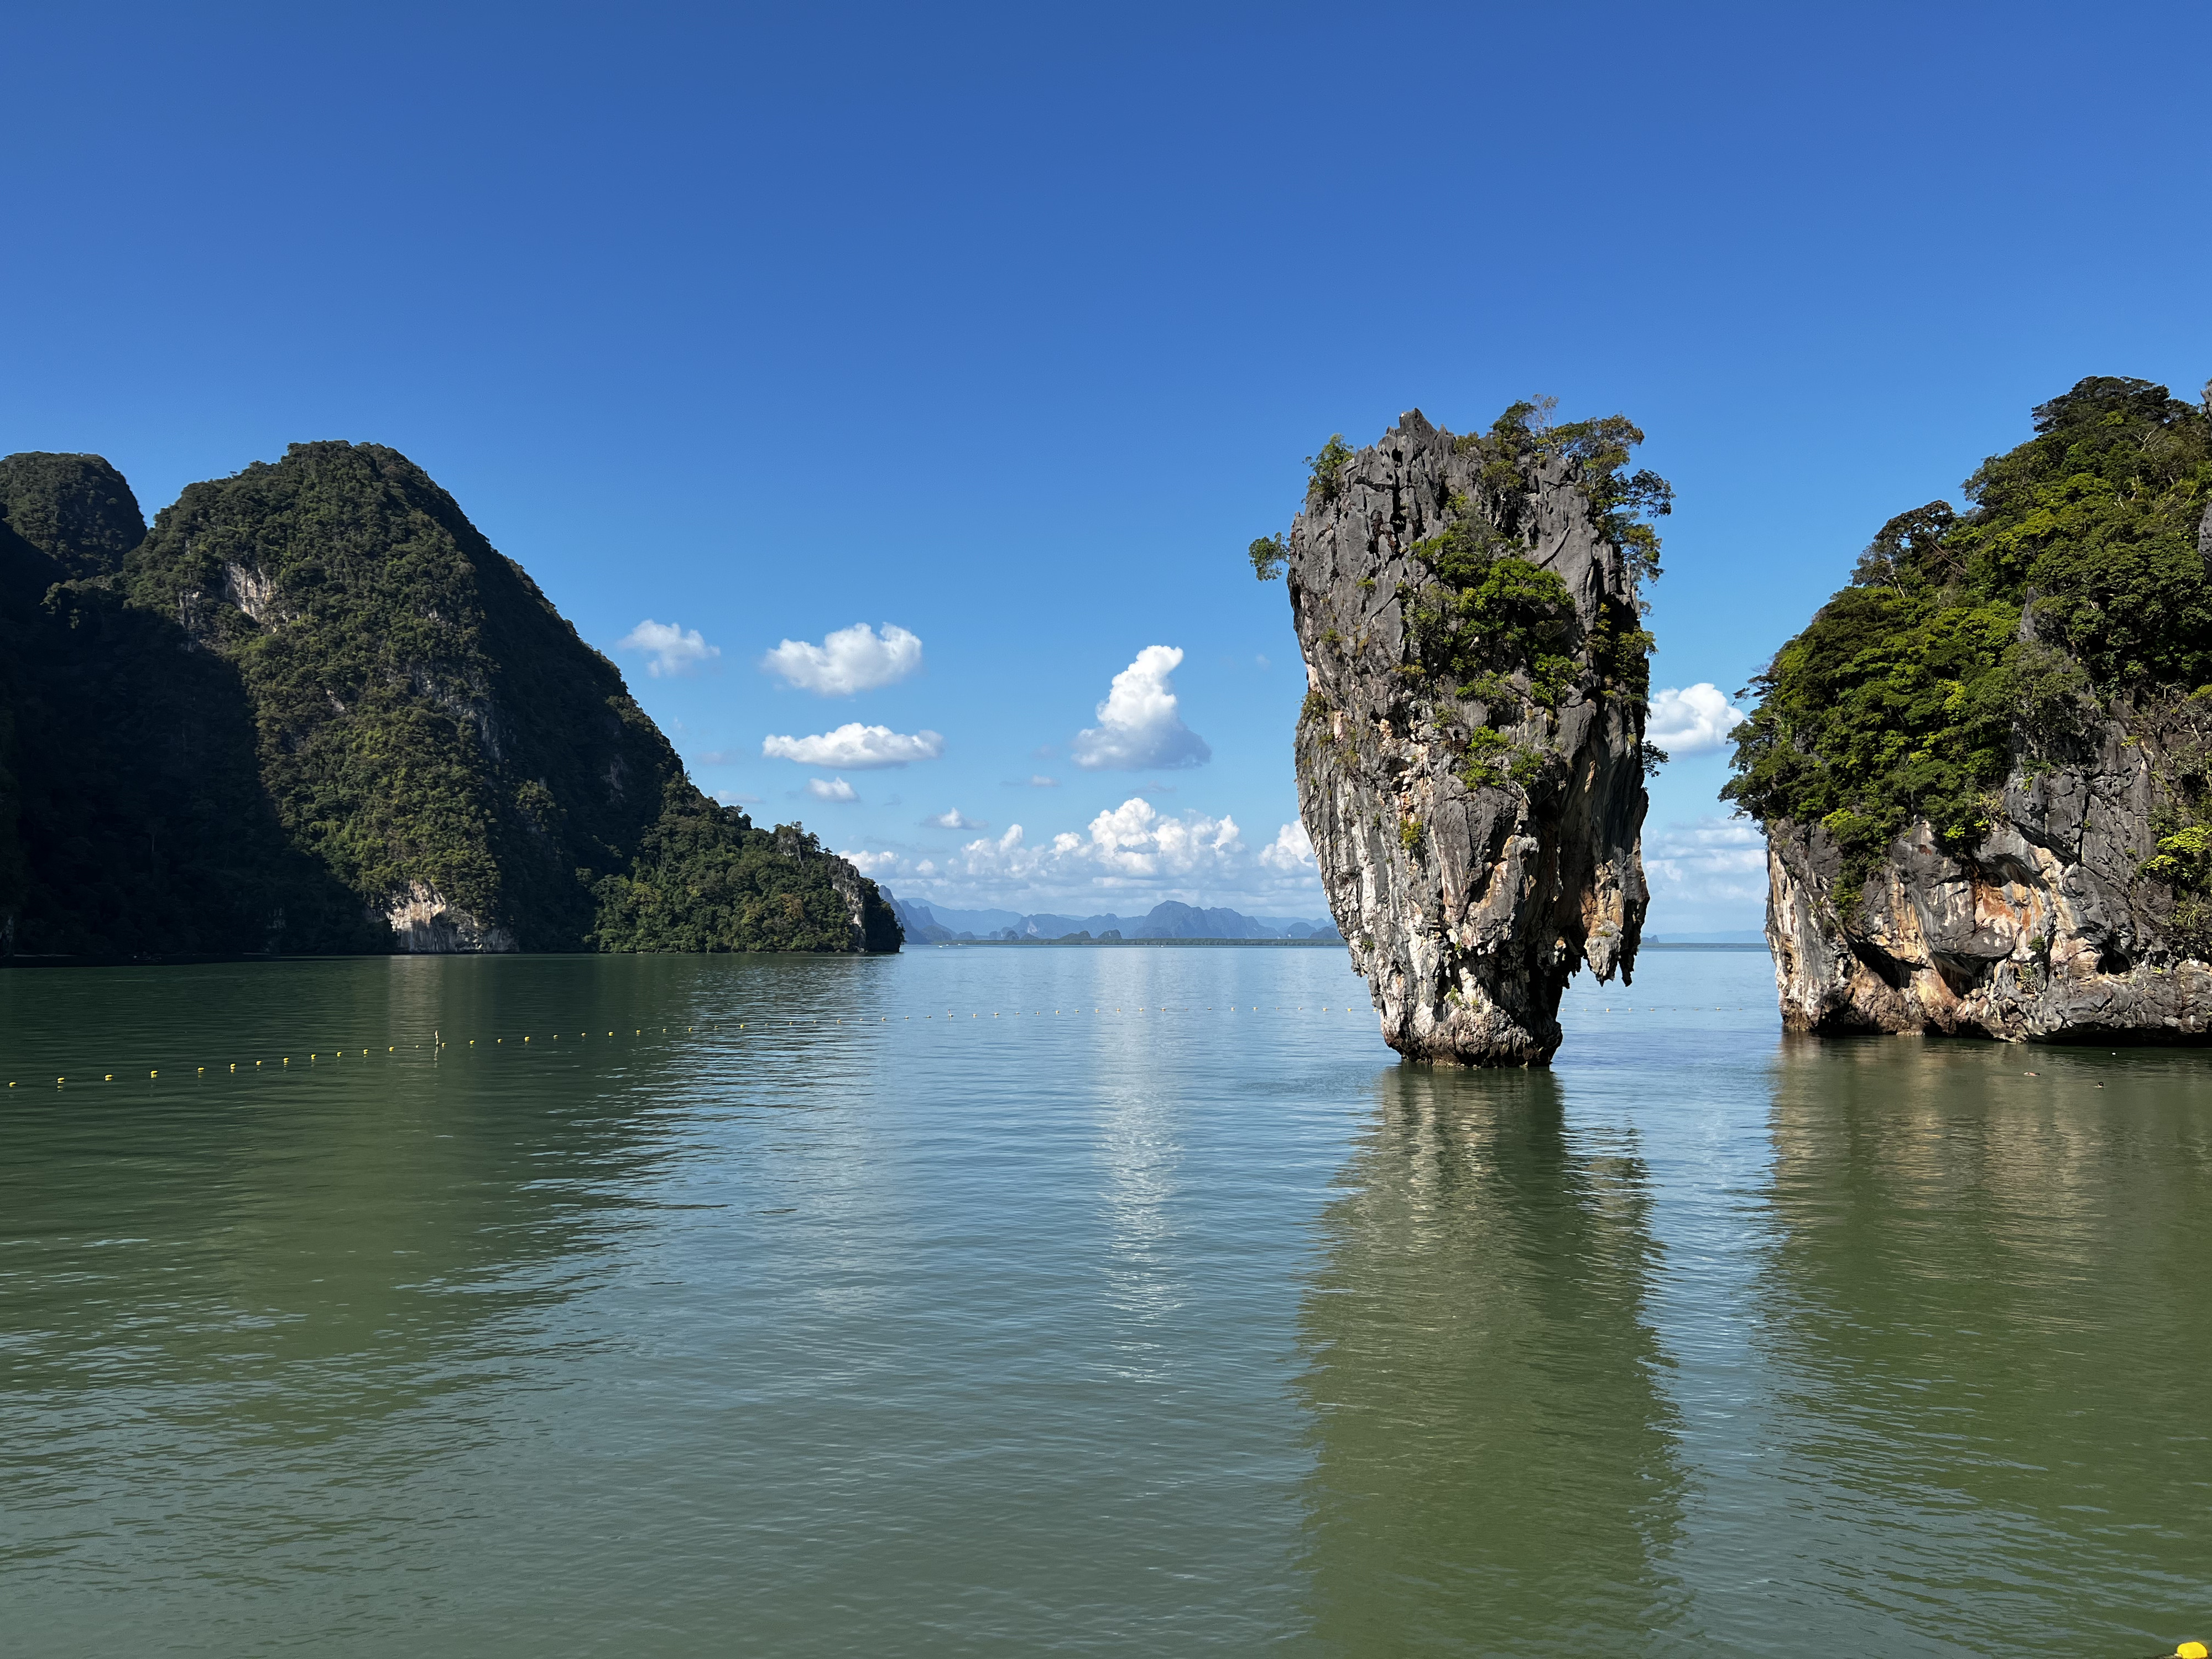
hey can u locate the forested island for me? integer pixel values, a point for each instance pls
(314, 709)
(1985, 768)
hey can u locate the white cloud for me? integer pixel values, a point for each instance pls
(731, 798)
(1711, 861)
(830, 789)
(1129, 843)
(953, 818)
(1038, 781)
(855, 658)
(873, 864)
(1131, 854)
(1291, 852)
(855, 747)
(1138, 726)
(675, 650)
(1694, 721)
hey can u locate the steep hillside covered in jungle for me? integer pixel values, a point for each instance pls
(314, 709)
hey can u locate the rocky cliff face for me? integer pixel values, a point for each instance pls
(2049, 927)
(1469, 758)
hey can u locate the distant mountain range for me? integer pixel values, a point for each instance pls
(934, 925)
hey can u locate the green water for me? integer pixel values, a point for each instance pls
(1159, 1328)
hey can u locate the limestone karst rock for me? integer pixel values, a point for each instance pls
(2046, 927)
(1984, 768)
(75, 509)
(314, 709)
(1470, 756)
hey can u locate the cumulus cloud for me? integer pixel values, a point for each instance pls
(873, 864)
(851, 660)
(830, 789)
(1291, 852)
(1694, 721)
(674, 649)
(855, 747)
(1133, 854)
(1138, 728)
(1130, 842)
(953, 818)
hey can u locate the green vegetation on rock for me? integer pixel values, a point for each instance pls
(1969, 642)
(1493, 628)
(316, 696)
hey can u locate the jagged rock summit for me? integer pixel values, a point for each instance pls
(1471, 755)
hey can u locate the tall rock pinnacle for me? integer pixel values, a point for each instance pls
(1470, 756)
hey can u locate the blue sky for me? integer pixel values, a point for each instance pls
(1010, 327)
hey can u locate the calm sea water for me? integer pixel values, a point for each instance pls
(1116, 1301)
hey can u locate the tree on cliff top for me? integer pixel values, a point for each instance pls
(1968, 640)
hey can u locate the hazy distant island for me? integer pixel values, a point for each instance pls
(314, 709)
(1166, 922)
(1984, 768)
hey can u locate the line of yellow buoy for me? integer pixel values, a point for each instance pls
(439, 1043)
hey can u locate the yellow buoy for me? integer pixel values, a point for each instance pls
(107, 1076)
(2193, 1651)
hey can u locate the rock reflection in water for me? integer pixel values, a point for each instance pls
(1494, 1460)
(1988, 1316)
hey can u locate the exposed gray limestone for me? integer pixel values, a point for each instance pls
(2047, 929)
(1467, 903)
(423, 923)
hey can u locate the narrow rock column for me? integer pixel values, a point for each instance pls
(1477, 825)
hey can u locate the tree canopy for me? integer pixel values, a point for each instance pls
(1972, 640)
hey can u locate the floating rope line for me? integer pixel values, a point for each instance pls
(439, 1044)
